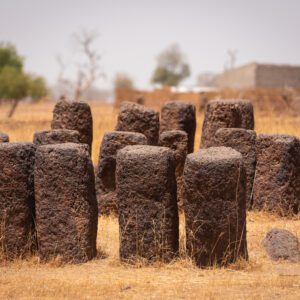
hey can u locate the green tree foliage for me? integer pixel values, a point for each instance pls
(15, 84)
(10, 57)
(171, 67)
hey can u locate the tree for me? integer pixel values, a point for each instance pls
(10, 57)
(123, 81)
(171, 68)
(15, 84)
(87, 71)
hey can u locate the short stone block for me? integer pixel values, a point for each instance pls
(148, 214)
(215, 206)
(66, 205)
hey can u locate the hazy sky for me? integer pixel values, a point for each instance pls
(133, 32)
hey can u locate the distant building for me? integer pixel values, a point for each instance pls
(260, 76)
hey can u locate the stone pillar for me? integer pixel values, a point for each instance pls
(215, 206)
(225, 114)
(66, 205)
(148, 215)
(179, 115)
(277, 178)
(105, 180)
(138, 118)
(4, 138)
(56, 136)
(74, 116)
(16, 199)
(177, 140)
(243, 141)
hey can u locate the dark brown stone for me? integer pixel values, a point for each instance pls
(4, 138)
(277, 177)
(179, 115)
(105, 180)
(215, 206)
(66, 205)
(243, 141)
(148, 215)
(282, 244)
(176, 140)
(74, 116)
(138, 118)
(225, 114)
(16, 199)
(56, 136)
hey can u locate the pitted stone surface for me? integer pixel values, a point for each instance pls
(66, 205)
(215, 206)
(277, 178)
(16, 199)
(105, 180)
(243, 141)
(4, 138)
(225, 114)
(148, 215)
(56, 136)
(282, 244)
(177, 141)
(74, 116)
(138, 118)
(177, 115)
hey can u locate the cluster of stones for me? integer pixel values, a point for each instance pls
(272, 161)
(147, 168)
(47, 190)
(225, 114)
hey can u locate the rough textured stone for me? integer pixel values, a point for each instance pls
(225, 114)
(243, 141)
(4, 138)
(105, 180)
(282, 244)
(176, 140)
(56, 136)
(16, 199)
(215, 206)
(277, 177)
(148, 215)
(74, 116)
(179, 115)
(138, 118)
(66, 205)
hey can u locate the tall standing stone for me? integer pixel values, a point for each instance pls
(277, 178)
(138, 118)
(4, 138)
(16, 199)
(179, 115)
(74, 116)
(148, 215)
(105, 180)
(66, 205)
(56, 136)
(225, 114)
(177, 141)
(243, 141)
(215, 206)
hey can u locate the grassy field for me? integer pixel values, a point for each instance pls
(106, 278)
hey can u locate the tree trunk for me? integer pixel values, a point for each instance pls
(13, 107)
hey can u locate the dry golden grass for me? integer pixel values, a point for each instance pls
(106, 278)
